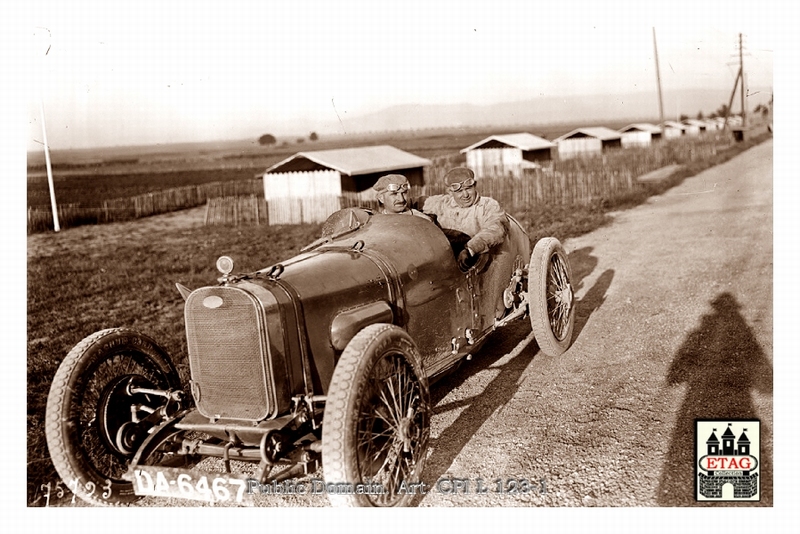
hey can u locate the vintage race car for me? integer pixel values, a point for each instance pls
(322, 360)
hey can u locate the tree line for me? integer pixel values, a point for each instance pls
(269, 139)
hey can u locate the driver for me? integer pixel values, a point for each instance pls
(392, 195)
(464, 210)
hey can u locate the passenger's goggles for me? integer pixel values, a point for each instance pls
(397, 188)
(466, 184)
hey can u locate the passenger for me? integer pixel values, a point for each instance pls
(464, 210)
(392, 195)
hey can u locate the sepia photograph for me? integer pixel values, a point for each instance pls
(322, 254)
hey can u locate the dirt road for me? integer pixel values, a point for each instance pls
(674, 324)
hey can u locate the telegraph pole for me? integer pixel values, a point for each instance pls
(53, 205)
(658, 79)
(741, 70)
(740, 83)
(730, 101)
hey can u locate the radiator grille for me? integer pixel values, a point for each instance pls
(228, 354)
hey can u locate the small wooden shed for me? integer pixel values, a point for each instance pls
(587, 141)
(672, 129)
(694, 126)
(508, 154)
(735, 120)
(640, 134)
(332, 172)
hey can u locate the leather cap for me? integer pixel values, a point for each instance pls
(458, 175)
(384, 181)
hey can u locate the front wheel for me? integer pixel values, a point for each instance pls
(550, 297)
(93, 422)
(377, 420)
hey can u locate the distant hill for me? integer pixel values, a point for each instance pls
(537, 115)
(547, 110)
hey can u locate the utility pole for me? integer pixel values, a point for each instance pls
(53, 206)
(738, 83)
(658, 79)
(730, 101)
(741, 70)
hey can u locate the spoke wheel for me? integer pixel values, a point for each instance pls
(550, 296)
(90, 427)
(377, 419)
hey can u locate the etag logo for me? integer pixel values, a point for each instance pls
(727, 460)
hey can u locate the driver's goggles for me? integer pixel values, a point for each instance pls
(397, 188)
(466, 184)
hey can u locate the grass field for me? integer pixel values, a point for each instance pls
(123, 274)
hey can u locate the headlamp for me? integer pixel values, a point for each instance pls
(225, 265)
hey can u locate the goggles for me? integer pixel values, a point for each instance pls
(397, 188)
(466, 184)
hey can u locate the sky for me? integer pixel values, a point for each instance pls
(154, 72)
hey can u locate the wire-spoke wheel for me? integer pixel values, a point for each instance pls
(93, 426)
(550, 296)
(376, 425)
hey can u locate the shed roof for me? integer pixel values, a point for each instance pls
(523, 141)
(695, 122)
(600, 132)
(673, 124)
(358, 160)
(642, 127)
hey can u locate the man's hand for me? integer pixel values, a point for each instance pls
(465, 260)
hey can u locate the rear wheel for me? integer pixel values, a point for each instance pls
(550, 296)
(376, 424)
(90, 427)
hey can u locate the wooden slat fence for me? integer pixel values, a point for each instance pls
(251, 209)
(40, 219)
(287, 210)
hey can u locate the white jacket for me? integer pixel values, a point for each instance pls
(485, 221)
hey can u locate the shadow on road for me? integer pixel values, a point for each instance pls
(583, 263)
(722, 364)
(498, 392)
(591, 301)
(502, 388)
